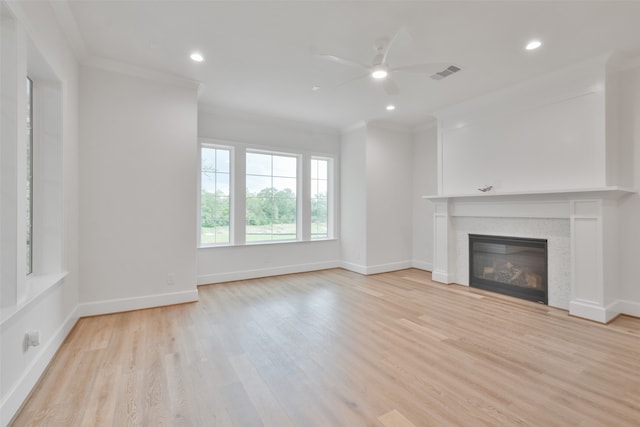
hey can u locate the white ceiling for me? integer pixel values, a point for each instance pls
(259, 56)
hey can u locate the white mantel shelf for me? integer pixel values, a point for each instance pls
(602, 192)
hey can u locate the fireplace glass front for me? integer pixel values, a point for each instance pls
(513, 266)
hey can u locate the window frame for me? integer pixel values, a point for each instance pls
(29, 175)
(330, 197)
(231, 150)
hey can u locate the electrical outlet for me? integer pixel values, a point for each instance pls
(32, 338)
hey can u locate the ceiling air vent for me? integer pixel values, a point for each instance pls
(446, 72)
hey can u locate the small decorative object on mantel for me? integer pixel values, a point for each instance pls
(486, 188)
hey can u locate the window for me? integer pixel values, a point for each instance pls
(29, 176)
(271, 197)
(319, 198)
(215, 195)
(252, 195)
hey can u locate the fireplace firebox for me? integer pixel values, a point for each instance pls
(512, 266)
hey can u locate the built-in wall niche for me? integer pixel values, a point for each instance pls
(554, 132)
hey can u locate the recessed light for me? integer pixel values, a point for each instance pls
(391, 107)
(197, 57)
(533, 44)
(315, 88)
(379, 73)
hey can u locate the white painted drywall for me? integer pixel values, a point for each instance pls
(425, 167)
(52, 313)
(629, 225)
(218, 264)
(139, 162)
(545, 134)
(353, 204)
(389, 214)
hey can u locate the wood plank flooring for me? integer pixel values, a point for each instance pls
(334, 348)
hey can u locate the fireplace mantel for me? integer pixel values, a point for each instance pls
(591, 214)
(602, 192)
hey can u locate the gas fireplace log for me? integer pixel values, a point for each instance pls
(533, 280)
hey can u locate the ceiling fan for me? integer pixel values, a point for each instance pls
(380, 70)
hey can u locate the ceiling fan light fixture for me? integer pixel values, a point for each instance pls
(379, 73)
(391, 107)
(533, 45)
(197, 57)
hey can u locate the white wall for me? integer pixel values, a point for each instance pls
(377, 199)
(52, 312)
(389, 215)
(629, 225)
(218, 264)
(139, 163)
(353, 205)
(545, 134)
(425, 168)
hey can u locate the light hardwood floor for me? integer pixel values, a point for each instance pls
(334, 348)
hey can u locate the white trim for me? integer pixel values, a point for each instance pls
(630, 308)
(442, 277)
(356, 268)
(137, 71)
(422, 265)
(594, 311)
(36, 287)
(389, 126)
(18, 394)
(266, 119)
(136, 303)
(354, 126)
(208, 279)
(376, 269)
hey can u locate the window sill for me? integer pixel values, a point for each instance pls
(37, 287)
(269, 243)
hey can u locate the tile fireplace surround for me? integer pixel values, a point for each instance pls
(579, 225)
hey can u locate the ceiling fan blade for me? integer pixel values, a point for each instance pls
(387, 48)
(343, 61)
(350, 80)
(426, 68)
(390, 87)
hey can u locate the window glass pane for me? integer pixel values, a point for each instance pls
(284, 166)
(258, 164)
(222, 161)
(319, 199)
(285, 184)
(222, 184)
(322, 169)
(208, 159)
(29, 192)
(256, 184)
(271, 204)
(215, 205)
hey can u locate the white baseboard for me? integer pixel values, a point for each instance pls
(136, 303)
(630, 308)
(356, 268)
(593, 311)
(442, 277)
(376, 269)
(18, 394)
(207, 279)
(422, 265)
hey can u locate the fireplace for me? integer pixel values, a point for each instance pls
(512, 266)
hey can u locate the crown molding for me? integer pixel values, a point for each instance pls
(263, 118)
(137, 71)
(69, 27)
